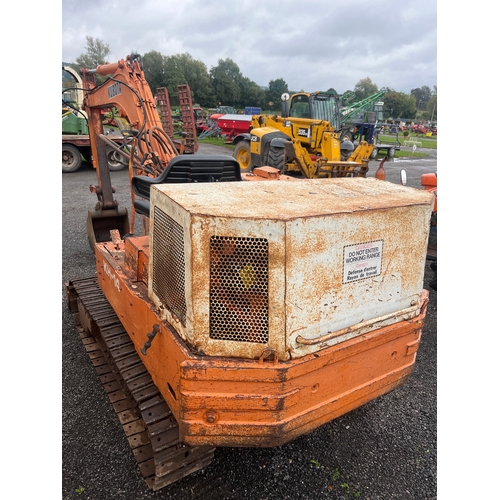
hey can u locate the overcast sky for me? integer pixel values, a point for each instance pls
(311, 44)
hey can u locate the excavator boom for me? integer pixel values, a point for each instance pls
(147, 146)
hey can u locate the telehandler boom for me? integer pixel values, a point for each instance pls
(252, 312)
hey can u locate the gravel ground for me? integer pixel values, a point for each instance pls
(386, 449)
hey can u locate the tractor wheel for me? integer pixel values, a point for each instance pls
(115, 162)
(391, 152)
(276, 158)
(71, 158)
(374, 153)
(242, 154)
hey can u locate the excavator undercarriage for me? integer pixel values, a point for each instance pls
(147, 421)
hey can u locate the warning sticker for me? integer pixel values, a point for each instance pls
(363, 260)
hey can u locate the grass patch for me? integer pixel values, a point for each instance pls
(398, 154)
(216, 142)
(427, 142)
(406, 154)
(424, 142)
(344, 484)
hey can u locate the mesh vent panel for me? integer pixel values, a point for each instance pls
(239, 289)
(168, 263)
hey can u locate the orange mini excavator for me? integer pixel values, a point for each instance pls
(250, 313)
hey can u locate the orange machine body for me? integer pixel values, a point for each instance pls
(136, 102)
(429, 182)
(261, 402)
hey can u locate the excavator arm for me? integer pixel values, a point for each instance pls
(127, 90)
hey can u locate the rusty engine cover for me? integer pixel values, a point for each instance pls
(241, 268)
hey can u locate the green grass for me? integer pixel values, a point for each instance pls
(427, 142)
(406, 154)
(216, 142)
(344, 484)
(384, 139)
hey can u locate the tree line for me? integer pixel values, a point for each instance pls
(224, 84)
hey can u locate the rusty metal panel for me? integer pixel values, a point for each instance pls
(188, 120)
(205, 240)
(352, 268)
(165, 113)
(307, 198)
(344, 256)
(252, 252)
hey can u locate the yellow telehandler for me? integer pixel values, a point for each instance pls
(306, 140)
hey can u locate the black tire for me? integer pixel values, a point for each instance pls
(71, 158)
(391, 152)
(276, 158)
(374, 153)
(346, 136)
(115, 162)
(242, 154)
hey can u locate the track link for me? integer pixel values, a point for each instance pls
(146, 418)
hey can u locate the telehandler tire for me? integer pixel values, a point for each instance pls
(242, 154)
(71, 158)
(276, 158)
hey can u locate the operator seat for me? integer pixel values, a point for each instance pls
(184, 169)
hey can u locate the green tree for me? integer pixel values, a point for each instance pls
(173, 76)
(251, 94)
(431, 109)
(276, 89)
(399, 105)
(364, 88)
(195, 74)
(155, 70)
(226, 78)
(179, 69)
(96, 53)
(422, 96)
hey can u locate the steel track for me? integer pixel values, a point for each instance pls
(146, 419)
